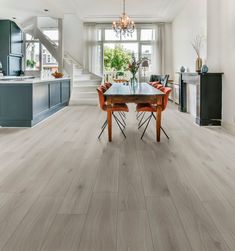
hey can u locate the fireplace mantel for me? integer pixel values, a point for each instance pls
(208, 96)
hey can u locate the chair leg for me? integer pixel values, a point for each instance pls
(103, 128)
(119, 121)
(143, 115)
(104, 124)
(165, 133)
(162, 128)
(139, 114)
(116, 119)
(146, 127)
(121, 116)
(144, 122)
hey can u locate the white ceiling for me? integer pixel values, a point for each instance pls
(92, 10)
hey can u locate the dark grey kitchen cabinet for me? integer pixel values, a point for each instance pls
(11, 47)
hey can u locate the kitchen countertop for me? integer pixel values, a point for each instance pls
(28, 80)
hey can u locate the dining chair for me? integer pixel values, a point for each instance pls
(153, 108)
(114, 108)
(157, 85)
(122, 115)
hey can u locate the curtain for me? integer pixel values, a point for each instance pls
(92, 49)
(158, 45)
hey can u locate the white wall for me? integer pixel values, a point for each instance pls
(73, 36)
(168, 64)
(217, 18)
(227, 58)
(191, 21)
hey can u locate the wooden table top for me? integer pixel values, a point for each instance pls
(125, 90)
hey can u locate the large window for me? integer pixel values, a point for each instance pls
(38, 58)
(140, 44)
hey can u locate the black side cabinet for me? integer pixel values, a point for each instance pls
(209, 99)
(11, 47)
(208, 96)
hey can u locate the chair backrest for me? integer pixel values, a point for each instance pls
(154, 83)
(101, 91)
(158, 85)
(107, 85)
(163, 79)
(167, 92)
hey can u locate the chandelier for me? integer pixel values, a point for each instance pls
(124, 26)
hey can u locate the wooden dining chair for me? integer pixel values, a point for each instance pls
(114, 108)
(152, 108)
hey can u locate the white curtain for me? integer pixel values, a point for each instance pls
(91, 49)
(158, 45)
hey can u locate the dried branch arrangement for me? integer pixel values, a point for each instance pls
(198, 43)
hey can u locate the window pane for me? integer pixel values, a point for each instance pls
(146, 50)
(146, 34)
(49, 63)
(32, 56)
(131, 37)
(29, 37)
(99, 35)
(111, 35)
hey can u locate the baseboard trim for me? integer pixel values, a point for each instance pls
(229, 127)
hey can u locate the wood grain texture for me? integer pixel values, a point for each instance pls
(65, 233)
(32, 231)
(134, 232)
(167, 230)
(99, 232)
(62, 189)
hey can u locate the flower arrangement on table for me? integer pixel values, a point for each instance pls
(134, 66)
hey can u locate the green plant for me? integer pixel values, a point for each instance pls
(116, 59)
(30, 63)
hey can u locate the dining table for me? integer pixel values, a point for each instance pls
(134, 93)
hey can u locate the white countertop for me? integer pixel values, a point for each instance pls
(28, 80)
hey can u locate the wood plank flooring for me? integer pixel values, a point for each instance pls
(61, 189)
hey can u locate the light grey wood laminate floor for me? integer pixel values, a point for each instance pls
(61, 189)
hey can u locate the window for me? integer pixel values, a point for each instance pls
(139, 44)
(110, 35)
(32, 49)
(37, 56)
(146, 34)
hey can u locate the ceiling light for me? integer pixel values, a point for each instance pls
(124, 26)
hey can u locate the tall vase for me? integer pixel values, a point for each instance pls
(198, 64)
(133, 81)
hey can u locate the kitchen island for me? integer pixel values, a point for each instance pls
(25, 102)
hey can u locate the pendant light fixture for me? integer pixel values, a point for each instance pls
(124, 26)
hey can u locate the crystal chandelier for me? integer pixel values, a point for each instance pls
(124, 26)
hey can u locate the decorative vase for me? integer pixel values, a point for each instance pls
(205, 69)
(182, 69)
(198, 64)
(133, 82)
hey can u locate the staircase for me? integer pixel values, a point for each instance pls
(83, 83)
